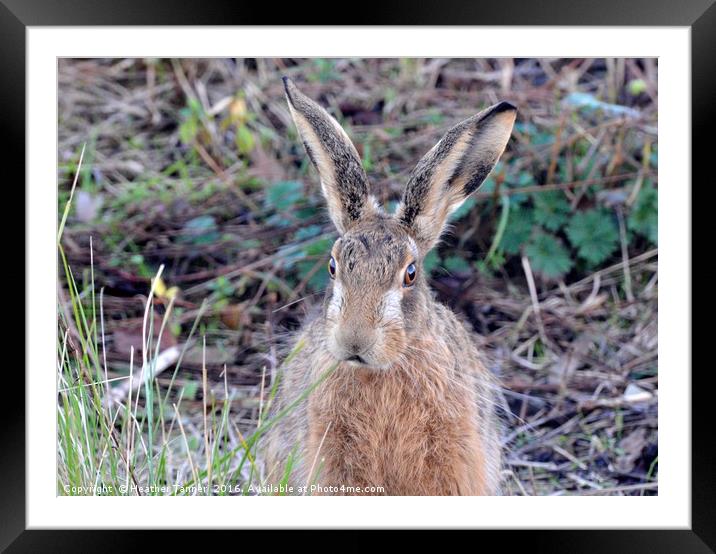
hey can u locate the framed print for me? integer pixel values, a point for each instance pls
(404, 273)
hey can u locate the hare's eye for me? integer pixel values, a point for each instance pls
(332, 267)
(410, 273)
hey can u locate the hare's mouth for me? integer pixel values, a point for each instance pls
(356, 361)
(360, 362)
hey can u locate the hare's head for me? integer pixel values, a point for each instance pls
(378, 300)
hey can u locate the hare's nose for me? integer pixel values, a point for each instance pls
(352, 343)
(355, 347)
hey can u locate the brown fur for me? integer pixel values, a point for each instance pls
(411, 433)
(409, 407)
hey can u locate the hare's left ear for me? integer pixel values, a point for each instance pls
(343, 179)
(452, 170)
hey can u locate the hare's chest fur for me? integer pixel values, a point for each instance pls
(411, 433)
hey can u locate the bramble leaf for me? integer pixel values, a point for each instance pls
(548, 256)
(643, 218)
(456, 264)
(551, 209)
(594, 234)
(518, 230)
(431, 261)
(317, 280)
(284, 195)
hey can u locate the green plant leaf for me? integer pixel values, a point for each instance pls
(318, 280)
(248, 244)
(518, 230)
(488, 184)
(319, 247)
(306, 212)
(200, 230)
(643, 218)
(325, 70)
(191, 120)
(456, 264)
(524, 179)
(308, 232)
(548, 256)
(190, 389)
(636, 86)
(551, 209)
(188, 129)
(594, 234)
(500, 231)
(431, 261)
(222, 287)
(283, 195)
(244, 139)
(367, 157)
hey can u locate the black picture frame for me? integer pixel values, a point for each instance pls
(699, 15)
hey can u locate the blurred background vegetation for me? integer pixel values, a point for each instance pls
(194, 166)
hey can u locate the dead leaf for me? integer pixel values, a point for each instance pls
(161, 290)
(128, 334)
(634, 393)
(238, 111)
(88, 206)
(592, 303)
(235, 316)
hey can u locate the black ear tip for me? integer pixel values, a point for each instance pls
(287, 83)
(504, 107)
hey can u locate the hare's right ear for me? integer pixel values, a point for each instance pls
(452, 170)
(343, 180)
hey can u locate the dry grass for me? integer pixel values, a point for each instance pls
(180, 164)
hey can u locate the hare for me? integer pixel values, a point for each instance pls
(409, 408)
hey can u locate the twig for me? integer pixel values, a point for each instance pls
(163, 361)
(560, 186)
(569, 456)
(625, 488)
(535, 302)
(625, 256)
(224, 177)
(611, 269)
